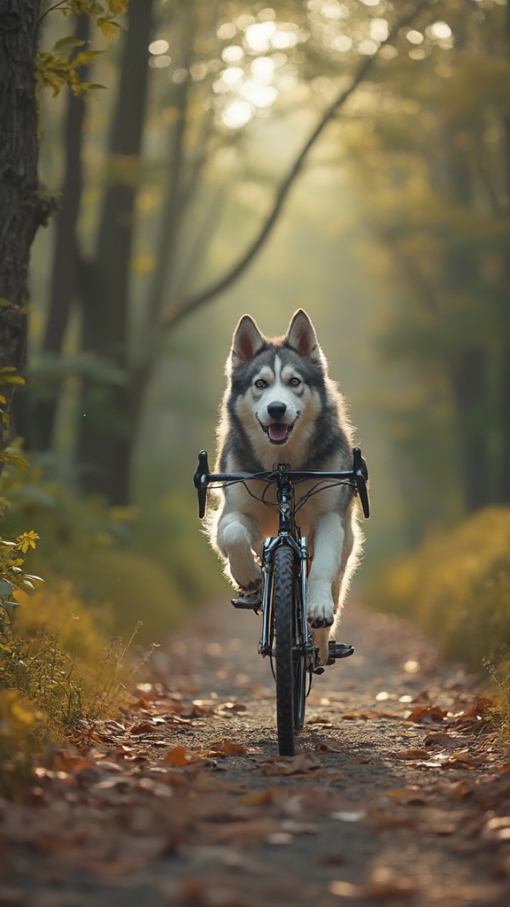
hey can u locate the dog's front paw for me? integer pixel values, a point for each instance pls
(247, 575)
(320, 614)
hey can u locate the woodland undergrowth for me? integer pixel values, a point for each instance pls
(456, 586)
(60, 662)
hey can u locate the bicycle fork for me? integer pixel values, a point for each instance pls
(302, 631)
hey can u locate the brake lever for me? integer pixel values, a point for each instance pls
(360, 474)
(200, 482)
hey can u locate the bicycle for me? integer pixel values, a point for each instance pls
(286, 637)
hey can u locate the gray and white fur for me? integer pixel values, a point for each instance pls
(280, 406)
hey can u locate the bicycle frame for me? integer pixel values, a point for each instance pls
(286, 635)
(284, 477)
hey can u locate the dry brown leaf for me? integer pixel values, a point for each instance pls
(383, 820)
(145, 727)
(142, 703)
(176, 756)
(396, 888)
(226, 748)
(330, 746)
(197, 711)
(408, 796)
(319, 719)
(230, 706)
(426, 714)
(440, 738)
(412, 754)
(303, 763)
(476, 719)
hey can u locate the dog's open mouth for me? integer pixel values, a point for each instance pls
(277, 432)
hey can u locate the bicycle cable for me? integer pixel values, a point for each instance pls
(318, 487)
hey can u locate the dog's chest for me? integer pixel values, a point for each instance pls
(260, 504)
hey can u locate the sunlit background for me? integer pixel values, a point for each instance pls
(394, 238)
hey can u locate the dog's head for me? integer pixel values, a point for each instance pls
(277, 385)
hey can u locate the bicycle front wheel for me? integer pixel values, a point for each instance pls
(283, 616)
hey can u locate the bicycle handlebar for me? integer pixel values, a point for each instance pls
(358, 474)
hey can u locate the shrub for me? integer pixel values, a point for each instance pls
(56, 664)
(456, 586)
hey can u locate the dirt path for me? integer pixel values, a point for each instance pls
(398, 793)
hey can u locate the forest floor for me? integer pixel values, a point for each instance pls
(398, 793)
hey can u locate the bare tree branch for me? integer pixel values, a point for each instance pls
(171, 317)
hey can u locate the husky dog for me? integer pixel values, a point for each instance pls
(281, 406)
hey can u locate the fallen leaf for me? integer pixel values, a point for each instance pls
(441, 738)
(412, 754)
(426, 714)
(176, 756)
(142, 704)
(145, 728)
(396, 888)
(329, 746)
(383, 820)
(290, 765)
(233, 706)
(226, 748)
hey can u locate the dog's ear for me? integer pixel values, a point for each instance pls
(301, 337)
(246, 343)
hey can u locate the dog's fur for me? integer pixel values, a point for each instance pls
(312, 432)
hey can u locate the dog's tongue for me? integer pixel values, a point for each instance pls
(277, 431)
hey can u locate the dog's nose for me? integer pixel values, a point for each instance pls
(276, 410)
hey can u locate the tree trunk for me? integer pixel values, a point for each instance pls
(65, 255)
(106, 429)
(22, 209)
(468, 372)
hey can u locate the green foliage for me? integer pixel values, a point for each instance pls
(12, 576)
(61, 66)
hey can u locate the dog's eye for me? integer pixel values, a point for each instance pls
(295, 382)
(260, 383)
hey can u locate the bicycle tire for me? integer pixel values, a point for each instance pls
(283, 599)
(300, 681)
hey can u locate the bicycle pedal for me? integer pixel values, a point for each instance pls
(247, 601)
(338, 650)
